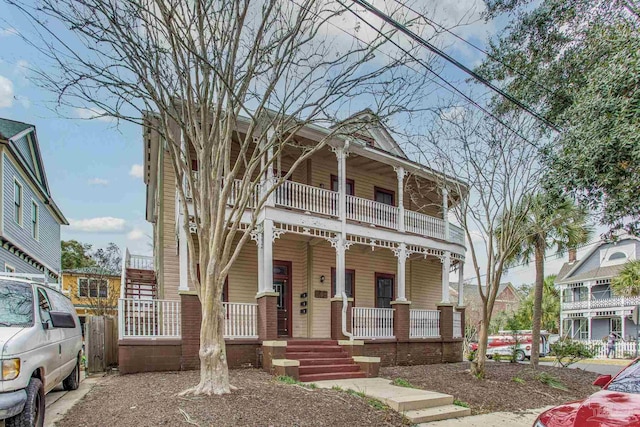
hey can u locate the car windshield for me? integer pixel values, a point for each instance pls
(16, 304)
(628, 381)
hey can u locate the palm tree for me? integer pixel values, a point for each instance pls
(551, 222)
(627, 283)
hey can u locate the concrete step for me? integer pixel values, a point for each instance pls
(331, 376)
(324, 361)
(402, 403)
(313, 348)
(437, 413)
(315, 355)
(322, 369)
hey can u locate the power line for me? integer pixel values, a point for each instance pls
(478, 48)
(446, 82)
(403, 29)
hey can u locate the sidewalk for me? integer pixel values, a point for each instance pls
(495, 419)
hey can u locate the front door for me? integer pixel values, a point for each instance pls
(282, 285)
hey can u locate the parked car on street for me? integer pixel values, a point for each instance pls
(506, 342)
(617, 404)
(40, 347)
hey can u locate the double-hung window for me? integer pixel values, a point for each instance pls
(17, 202)
(34, 220)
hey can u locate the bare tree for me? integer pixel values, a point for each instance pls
(107, 263)
(229, 84)
(498, 170)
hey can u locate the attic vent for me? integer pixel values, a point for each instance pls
(369, 140)
(617, 255)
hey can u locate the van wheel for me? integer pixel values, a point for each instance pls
(520, 356)
(72, 382)
(33, 412)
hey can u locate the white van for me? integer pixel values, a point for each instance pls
(40, 347)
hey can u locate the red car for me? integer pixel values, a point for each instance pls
(616, 405)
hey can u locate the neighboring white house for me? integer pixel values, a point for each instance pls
(590, 310)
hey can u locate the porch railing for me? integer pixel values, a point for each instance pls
(307, 198)
(241, 320)
(372, 323)
(424, 323)
(425, 225)
(152, 318)
(372, 212)
(602, 303)
(456, 234)
(623, 349)
(140, 262)
(457, 324)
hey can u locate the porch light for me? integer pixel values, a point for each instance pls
(322, 279)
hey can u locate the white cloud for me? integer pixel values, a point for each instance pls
(103, 224)
(98, 181)
(137, 171)
(21, 67)
(453, 114)
(10, 31)
(135, 234)
(93, 114)
(6, 92)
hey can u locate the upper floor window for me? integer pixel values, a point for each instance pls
(384, 196)
(350, 189)
(34, 220)
(9, 268)
(17, 202)
(617, 255)
(94, 288)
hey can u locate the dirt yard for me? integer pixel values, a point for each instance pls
(508, 387)
(151, 400)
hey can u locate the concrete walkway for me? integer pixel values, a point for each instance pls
(524, 418)
(598, 368)
(416, 405)
(58, 401)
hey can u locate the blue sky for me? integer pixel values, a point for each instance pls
(94, 166)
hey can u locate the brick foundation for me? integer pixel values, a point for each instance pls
(401, 320)
(446, 321)
(142, 355)
(336, 318)
(272, 350)
(415, 352)
(267, 316)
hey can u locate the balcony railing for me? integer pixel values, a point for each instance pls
(424, 323)
(372, 323)
(307, 198)
(602, 303)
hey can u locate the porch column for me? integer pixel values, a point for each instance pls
(268, 180)
(266, 297)
(267, 260)
(402, 255)
(623, 330)
(340, 266)
(460, 283)
(183, 257)
(445, 213)
(589, 322)
(400, 172)
(446, 266)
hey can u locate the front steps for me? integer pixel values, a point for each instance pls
(418, 406)
(322, 360)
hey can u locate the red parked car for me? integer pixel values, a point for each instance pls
(617, 404)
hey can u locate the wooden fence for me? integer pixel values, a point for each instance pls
(101, 343)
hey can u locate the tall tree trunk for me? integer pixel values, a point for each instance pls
(214, 373)
(478, 364)
(537, 304)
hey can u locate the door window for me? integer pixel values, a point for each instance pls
(350, 188)
(384, 290)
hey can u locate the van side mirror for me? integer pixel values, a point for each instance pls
(602, 380)
(60, 319)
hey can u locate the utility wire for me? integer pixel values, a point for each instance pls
(444, 81)
(403, 29)
(437, 26)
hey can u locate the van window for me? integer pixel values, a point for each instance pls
(60, 303)
(44, 305)
(16, 304)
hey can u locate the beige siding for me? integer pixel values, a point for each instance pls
(424, 283)
(170, 264)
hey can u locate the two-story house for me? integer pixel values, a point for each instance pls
(348, 219)
(92, 290)
(29, 219)
(590, 310)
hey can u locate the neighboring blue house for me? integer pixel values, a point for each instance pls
(29, 219)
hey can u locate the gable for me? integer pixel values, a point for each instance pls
(605, 260)
(374, 133)
(24, 146)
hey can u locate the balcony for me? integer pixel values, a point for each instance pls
(601, 303)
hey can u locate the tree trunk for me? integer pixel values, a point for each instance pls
(537, 305)
(214, 373)
(478, 364)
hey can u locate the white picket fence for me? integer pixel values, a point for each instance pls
(241, 320)
(372, 323)
(424, 323)
(623, 349)
(457, 324)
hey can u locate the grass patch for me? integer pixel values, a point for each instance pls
(356, 393)
(551, 381)
(518, 380)
(374, 403)
(337, 388)
(401, 382)
(285, 379)
(460, 403)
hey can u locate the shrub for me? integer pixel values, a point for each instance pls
(567, 352)
(471, 355)
(551, 381)
(460, 403)
(497, 357)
